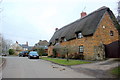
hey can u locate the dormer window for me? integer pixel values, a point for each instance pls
(79, 35)
(111, 33)
(63, 39)
(56, 40)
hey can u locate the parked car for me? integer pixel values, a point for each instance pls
(33, 54)
(23, 53)
(3, 54)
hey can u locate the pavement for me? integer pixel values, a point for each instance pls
(22, 67)
(99, 69)
(2, 61)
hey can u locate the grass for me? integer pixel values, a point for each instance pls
(116, 71)
(64, 61)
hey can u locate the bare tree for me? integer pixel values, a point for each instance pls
(67, 51)
(4, 44)
(0, 43)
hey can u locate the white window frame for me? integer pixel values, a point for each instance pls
(80, 35)
(64, 39)
(111, 33)
(81, 49)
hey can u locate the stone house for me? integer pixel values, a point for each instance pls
(16, 47)
(96, 35)
(24, 46)
(21, 47)
(42, 44)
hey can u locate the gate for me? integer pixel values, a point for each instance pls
(112, 50)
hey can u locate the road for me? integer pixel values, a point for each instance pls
(22, 67)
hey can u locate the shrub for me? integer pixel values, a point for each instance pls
(55, 52)
(50, 56)
(44, 54)
(11, 51)
(40, 51)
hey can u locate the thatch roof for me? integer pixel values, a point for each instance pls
(86, 25)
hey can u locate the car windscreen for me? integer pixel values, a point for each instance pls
(33, 53)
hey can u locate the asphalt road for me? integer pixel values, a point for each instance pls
(22, 67)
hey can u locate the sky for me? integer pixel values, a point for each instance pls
(34, 20)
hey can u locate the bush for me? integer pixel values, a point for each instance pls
(50, 56)
(55, 52)
(40, 51)
(44, 54)
(11, 51)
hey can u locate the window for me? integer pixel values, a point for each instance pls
(104, 27)
(111, 33)
(63, 39)
(56, 40)
(81, 49)
(79, 35)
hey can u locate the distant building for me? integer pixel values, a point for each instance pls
(16, 47)
(24, 46)
(21, 47)
(42, 44)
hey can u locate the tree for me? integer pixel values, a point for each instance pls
(11, 51)
(40, 51)
(4, 44)
(65, 50)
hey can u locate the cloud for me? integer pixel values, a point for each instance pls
(31, 20)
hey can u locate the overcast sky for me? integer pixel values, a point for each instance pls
(34, 20)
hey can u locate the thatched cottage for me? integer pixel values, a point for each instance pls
(96, 35)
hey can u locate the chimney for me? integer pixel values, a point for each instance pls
(27, 43)
(16, 42)
(83, 14)
(56, 29)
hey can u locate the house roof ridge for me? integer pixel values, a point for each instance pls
(102, 8)
(87, 25)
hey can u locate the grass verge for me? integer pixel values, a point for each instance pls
(116, 71)
(64, 61)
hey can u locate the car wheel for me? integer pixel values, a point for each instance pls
(38, 57)
(29, 57)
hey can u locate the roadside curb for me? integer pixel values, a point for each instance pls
(3, 62)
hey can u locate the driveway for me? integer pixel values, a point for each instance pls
(22, 67)
(98, 69)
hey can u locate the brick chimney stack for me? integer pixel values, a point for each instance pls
(27, 43)
(16, 42)
(56, 29)
(83, 14)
